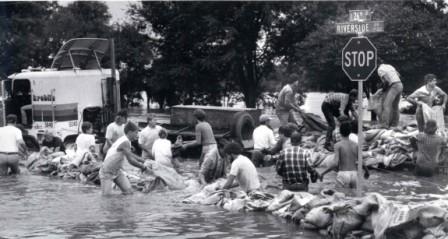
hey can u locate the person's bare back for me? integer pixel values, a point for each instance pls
(346, 152)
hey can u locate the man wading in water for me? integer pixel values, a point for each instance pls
(10, 142)
(204, 137)
(112, 169)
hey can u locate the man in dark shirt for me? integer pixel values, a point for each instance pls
(334, 106)
(53, 142)
(292, 165)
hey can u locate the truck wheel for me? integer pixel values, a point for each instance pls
(243, 126)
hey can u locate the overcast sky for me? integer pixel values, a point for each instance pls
(116, 8)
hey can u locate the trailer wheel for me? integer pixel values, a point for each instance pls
(243, 126)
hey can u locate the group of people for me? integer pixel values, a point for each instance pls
(222, 158)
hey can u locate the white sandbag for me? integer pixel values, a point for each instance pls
(284, 198)
(320, 217)
(169, 175)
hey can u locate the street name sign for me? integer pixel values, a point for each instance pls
(359, 58)
(360, 15)
(359, 27)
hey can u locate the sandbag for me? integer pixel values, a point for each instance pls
(320, 217)
(169, 175)
(345, 220)
(284, 198)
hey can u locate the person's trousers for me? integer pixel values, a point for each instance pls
(391, 113)
(257, 158)
(296, 187)
(330, 112)
(420, 118)
(283, 116)
(207, 151)
(9, 161)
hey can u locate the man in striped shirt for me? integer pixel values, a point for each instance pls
(292, 165)
(334, 106)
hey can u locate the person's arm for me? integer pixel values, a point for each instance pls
(271, 139)
(413, 99)
(279, 164)
(343, 104)
(229, 182)
(277, 147)
(198, 139)
(290, 101)
(445, 97)
(133, 159)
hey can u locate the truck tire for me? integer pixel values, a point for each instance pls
(243, 126)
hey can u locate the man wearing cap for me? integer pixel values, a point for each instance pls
(334, 106)
(286, 100)
(204, 136)
(10, 142)
(263, 138)
(242, 169)
(430, 147)
(392, 88)
(425, 97)
(147, 137)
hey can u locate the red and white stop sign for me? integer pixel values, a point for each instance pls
(359, 58)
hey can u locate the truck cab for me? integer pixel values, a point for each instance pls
(75, 89)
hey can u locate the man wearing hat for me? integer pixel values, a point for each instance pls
(263, 138)
(429, 148)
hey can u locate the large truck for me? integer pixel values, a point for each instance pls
(75, 89)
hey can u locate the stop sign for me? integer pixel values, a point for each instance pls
(359, 58)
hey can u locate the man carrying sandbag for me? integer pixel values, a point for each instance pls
(392, 88)
(334, 106)
(286, 100)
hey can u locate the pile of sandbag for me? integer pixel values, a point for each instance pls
(43, 163)
(337, 216)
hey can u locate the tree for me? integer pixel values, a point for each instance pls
(21, 40)
(413, 41)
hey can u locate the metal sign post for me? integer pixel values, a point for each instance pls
(359, 61)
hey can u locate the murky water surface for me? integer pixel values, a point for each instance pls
(40, 207)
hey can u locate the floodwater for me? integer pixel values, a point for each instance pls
(40, 207)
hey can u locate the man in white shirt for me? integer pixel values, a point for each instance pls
(148, 136)
(264, 139)
(161, 150)
(392, 88)
(115, 129)
(242, 169)
(10, 141)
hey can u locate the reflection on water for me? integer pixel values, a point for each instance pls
(37, 206)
